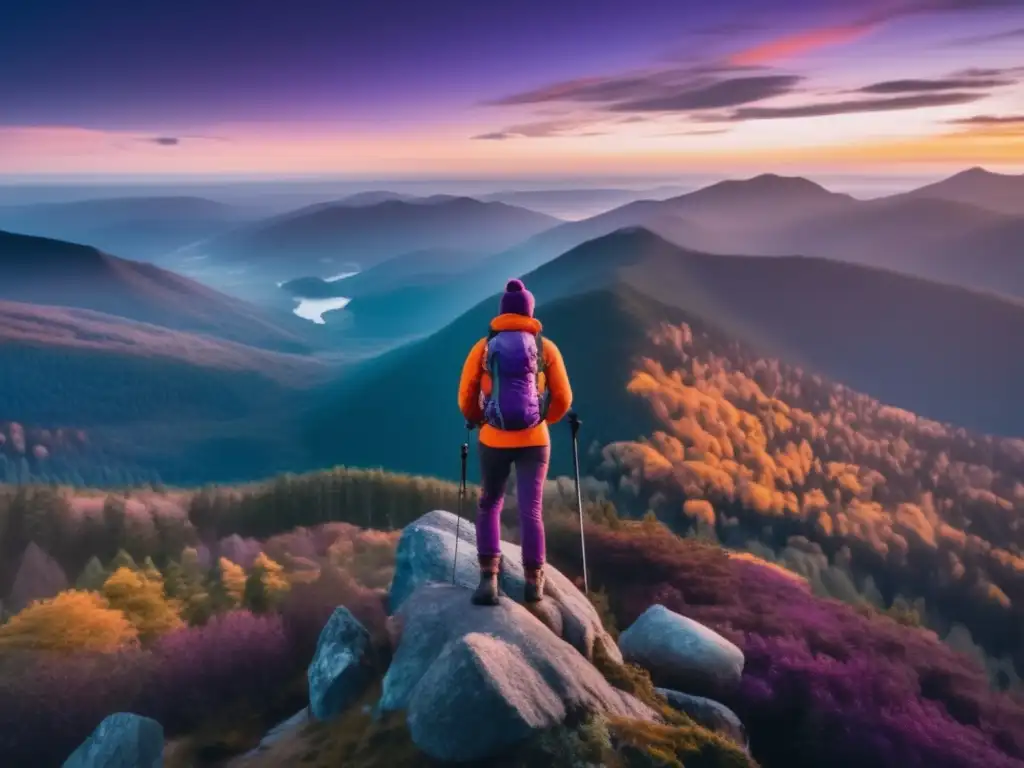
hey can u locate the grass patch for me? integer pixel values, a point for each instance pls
(655, 745)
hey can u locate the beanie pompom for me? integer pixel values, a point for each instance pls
(516, 300)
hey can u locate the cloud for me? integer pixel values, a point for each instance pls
(540, 130)
(989, 120)
(914, 101)
(995, 37)
(589, 89)
(800, 43)
(981, 79)
(716, 95)
(698, 132)
(164, 141)
(673, 90)
(796, 44)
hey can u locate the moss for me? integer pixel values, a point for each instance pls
(599, 599)
(655, 745)
(636, 681)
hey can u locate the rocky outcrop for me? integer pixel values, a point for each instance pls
(682, 654)
(426, 553)
(475, 681)
(708, 713)
(340, 670)
(122, 740)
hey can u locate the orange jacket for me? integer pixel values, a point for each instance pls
(476, 381)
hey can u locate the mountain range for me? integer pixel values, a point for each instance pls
(877, 331)
(146, 228)
(950, 241)
(51, 272)
(320, 239)
(996, 191)
(877, 294)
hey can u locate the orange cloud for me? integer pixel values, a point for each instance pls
(801, 43)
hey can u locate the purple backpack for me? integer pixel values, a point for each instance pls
(515, 360)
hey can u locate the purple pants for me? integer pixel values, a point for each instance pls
(531, 471)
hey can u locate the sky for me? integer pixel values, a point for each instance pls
(540, 87)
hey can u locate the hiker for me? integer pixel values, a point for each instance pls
(513, 385)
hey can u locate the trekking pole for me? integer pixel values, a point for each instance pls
(574, 424)
(462, 495)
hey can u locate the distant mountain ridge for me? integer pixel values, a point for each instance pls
(366, 235)
(52, 272)
(141, 227)
(908, 342)
(977, 186)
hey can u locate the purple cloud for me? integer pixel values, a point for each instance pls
(896, 103)
(718, 95)
(930, 86)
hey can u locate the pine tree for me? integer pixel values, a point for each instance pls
(122, 560)
(265, 585)
(174, 580)
(150, 571)
(93, 576)
(218, 599)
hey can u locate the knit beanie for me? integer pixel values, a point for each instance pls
(517, 300)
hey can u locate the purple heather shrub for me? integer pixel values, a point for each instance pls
(824, 683)
(198, 670)
(49, 703)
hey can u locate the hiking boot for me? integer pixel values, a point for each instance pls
(534, 587)
(487, 593)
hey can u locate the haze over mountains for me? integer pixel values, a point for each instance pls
(135, 227)
(51, 272)
(795, 271)
(366, 235)
(879, 332)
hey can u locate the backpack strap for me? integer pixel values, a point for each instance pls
(542, 371)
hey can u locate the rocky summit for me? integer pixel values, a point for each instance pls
(474, 681)
(427, 553)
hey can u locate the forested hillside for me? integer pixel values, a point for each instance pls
(768, 457)
(202, 609)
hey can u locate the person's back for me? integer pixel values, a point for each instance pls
(513, 385)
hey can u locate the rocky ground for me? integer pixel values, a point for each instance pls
(507, 685)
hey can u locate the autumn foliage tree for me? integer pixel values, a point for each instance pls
(143, 603)
(72, 621)
(760, 453)
(232, 577)
(265, 586)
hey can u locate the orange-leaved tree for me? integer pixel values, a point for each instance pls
(74, 620)
(143, 602)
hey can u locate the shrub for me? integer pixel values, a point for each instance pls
(49, 703)
(71, 621)
(823, 683)
(198, 671)
(307, 607)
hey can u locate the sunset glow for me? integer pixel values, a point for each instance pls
(656, 89)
